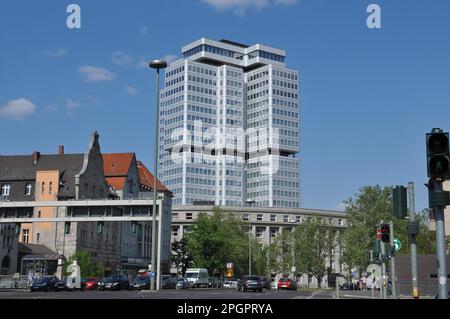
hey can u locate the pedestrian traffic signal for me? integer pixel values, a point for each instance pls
(438, 157)
(385, 233)
(399, 202)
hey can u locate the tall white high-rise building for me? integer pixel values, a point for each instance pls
(229, 126)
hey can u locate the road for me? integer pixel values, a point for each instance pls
(185, 294)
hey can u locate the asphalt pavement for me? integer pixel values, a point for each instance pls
(186, 294)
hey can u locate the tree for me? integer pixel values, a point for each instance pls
(313, 243)
(371, 205)
(88, 267)
(180, 257)
(220, 238)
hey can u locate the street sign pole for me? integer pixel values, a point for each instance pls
(393, 272)
(413, 246)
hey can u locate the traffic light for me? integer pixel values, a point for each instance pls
(399, 202)
(377, 249)
(134, 227)
(438, 157)
(385, 233)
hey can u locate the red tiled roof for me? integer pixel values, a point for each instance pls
(117, 164)
(118, 183)
(146, 179)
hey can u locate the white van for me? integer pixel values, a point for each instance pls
(197, 277)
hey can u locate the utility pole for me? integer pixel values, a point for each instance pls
(373, 274)
(413, 237)
(440, 244)
(392, 253)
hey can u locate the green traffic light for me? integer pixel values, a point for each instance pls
(439, 165)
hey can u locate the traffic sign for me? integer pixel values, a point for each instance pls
(397, 244)
(152, 274)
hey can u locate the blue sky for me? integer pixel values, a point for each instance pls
(367, 96)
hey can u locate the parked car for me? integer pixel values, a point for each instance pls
(250, 283)
(61, 284)
(215, 282)
(114, 282)
(348, 286)
(230, 283)
(140, 283)
(265, 283)
(182, 283)
(92, 283)
(45, 283)
(168, 282)
(287, 284)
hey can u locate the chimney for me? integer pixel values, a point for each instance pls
(36, 157)
(61, 150)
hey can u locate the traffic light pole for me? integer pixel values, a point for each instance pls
(440, 245)
(383, 268)
(393, 272)
(413, 246)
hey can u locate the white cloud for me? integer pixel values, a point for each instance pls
(122, 59)
(17, 109)
(71, 104)
(55, 54)
(240, 6)
(96, 74)
(130, 90)
(144, 30)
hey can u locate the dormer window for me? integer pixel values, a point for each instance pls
(28, 189)
(6, 189)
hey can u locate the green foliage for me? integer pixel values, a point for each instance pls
(313, 244)
(220, 238)
(180, 256)
(88, 267)
(371, 205)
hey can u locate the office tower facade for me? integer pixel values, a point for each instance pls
(229, 126)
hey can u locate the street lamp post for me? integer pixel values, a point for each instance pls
(158, 65)
(250, 202)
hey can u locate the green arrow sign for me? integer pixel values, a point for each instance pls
(397, 244)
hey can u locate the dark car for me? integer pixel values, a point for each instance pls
(250, 283)
(114, 282)
(140, 283)
(168, 282)
(287, 284)
(183, 283)
(265, 283)
(46, 283)
(61, 284)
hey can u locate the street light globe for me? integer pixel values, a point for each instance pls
(158, 64)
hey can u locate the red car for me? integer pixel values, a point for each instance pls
(287, 283)
(92, 283)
